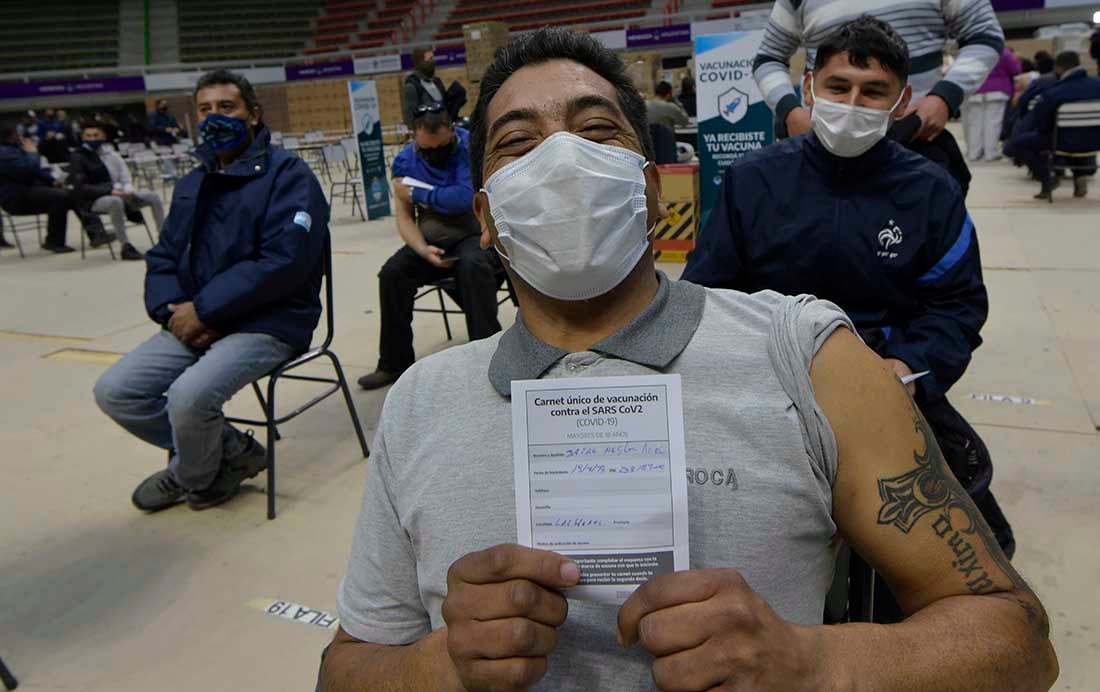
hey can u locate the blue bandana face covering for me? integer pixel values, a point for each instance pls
(93, 144)
(223, 132)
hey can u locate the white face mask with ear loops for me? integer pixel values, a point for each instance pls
(571, 215)
(849, 131)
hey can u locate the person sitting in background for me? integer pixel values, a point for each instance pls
(122, 180)
(687, 95)
(54, 144)
(855, 218)
(235, 283)
(92, 181)
(441, 240)
(664, 110)
(28, 188)
(28, 127)
(1044, 66)
(163, 125)
(68, 130)
(1031, 143)
(984, 112)
(422, 87)
(827, 446)
(1045, 77)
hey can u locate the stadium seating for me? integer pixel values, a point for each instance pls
(358, 24)
(552, 12)
(213, 30)
(57, 34)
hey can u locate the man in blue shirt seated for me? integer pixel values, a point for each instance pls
(442, 239)
(849, 216)
(235, 283)
(1031, 143)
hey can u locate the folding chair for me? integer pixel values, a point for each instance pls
(17, 226)
(1084, 118)
(83, 242)
(336, 156)
(450, 287)
(129, 223)
(6, 677)
(271, 421)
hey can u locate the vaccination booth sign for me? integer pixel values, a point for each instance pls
(733, 117)
(367, 123)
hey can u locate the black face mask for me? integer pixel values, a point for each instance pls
(426, 69)
(438, 156)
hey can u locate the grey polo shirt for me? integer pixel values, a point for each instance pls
(761, 463)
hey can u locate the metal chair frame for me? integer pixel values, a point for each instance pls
(271, 421)
(337, 155)
(6, 677)
(1075, 114)
(449, 287)
(17, 226)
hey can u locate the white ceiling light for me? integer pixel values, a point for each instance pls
(1096, 17)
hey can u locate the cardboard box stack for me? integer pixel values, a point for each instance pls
(390, 94)
(276, 110)
(321, 105)
(482, 41)
(643, 69)
(674, 237)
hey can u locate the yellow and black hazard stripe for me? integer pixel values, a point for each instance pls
(680, 224)
(674, 237)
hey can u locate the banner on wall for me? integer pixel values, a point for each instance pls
(375, 64)
(367, 123)
(658, 36)
(66, 87)
(319, 70)
(733, 117)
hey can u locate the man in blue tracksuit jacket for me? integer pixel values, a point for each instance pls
(847, 215)
(442, 240)
(235, 283)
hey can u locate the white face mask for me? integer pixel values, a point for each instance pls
(571, 216)
(849, 131)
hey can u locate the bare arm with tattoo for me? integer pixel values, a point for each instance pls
(974, 623)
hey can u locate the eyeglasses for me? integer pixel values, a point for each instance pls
(435, 107)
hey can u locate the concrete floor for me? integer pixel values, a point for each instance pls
(95, 595)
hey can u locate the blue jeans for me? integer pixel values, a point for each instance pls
(171, 396)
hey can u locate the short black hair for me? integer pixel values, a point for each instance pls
(431, 121)
(216, 77)
(1044, 62)
(86, 123)
(1027, 65)
(862, 39)
(663, 89)
(544, 45)
(1067, 60)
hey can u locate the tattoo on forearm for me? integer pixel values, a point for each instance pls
(931, 488)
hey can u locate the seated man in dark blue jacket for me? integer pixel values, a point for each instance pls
(235, 282)
(849, 216)
(1031, 143)
(442, 239)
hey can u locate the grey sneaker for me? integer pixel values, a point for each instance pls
(228, 481)
(157, 492)
(1080, 187)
